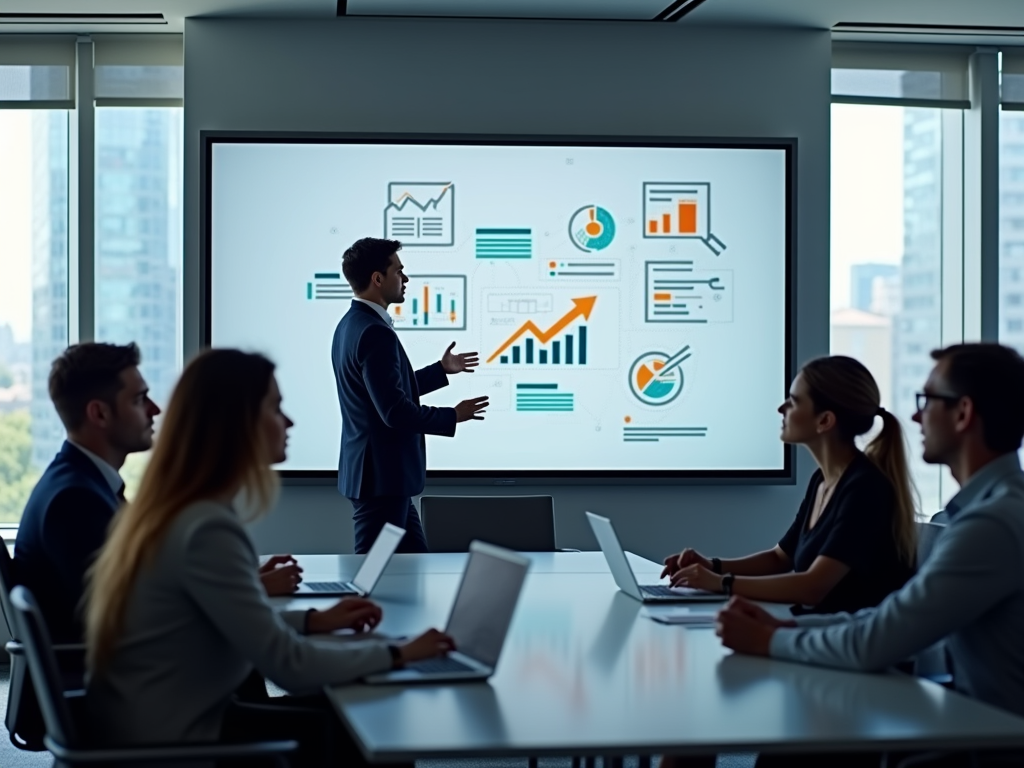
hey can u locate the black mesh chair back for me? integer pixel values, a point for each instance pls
(7, 583)
(42, 664)
(520, 523)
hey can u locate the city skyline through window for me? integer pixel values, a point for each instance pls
(886, 260)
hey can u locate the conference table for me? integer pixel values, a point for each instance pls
(586, 672)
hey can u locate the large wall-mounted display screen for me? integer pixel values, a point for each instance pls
(630, 303)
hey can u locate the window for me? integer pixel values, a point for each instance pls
(1011, 226)
(33, 294)
(887, 276)
(138, 243)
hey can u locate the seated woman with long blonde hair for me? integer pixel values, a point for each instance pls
(176, 617)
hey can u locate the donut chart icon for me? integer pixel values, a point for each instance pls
(655, 378)
(591, 228)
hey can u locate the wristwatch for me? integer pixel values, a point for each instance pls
(727, 581)
(396, 656)
(716, 564)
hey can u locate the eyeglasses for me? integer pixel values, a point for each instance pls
(924, 397)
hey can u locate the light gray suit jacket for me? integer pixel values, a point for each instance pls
(196, 624)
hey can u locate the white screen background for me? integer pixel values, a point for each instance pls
(282, 213)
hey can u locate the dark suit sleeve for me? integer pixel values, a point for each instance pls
(382, 375)
(74, 529)
(431, 378)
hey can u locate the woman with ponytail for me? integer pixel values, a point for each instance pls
(853, 541)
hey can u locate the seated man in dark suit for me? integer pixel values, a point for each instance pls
(104, 403)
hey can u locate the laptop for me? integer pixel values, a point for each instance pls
(623, 574)
(369, 572)
(478, 622)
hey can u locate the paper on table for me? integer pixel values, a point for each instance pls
(685, 616)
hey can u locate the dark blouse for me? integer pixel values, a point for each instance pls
(855, 528)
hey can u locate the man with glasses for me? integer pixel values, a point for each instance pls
(970, 591)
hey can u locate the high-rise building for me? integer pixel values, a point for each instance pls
(864, 282)
(138, 237)
(49, 273)
(1011, 229)
(917, 326)
(138, 244)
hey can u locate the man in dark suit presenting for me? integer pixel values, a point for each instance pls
(383, 449)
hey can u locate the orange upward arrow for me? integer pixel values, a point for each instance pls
(582, 306)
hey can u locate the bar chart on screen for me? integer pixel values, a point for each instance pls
(432, 303)
(680, 210)
(563, 337)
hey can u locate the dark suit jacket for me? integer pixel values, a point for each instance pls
(383, 451)
(64, 525)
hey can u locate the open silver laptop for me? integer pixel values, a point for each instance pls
(369, 572)
(478, 622)
(623, 574)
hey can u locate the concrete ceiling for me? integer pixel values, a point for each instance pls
(818, 14)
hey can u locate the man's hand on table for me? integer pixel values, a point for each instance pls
(746, 627)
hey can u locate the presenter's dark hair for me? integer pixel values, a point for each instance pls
(366, 256)
(845, 387)
(86, 372)
(992, 376)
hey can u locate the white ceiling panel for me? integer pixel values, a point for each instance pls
(819, 14)
(626, 10)
(823, 14)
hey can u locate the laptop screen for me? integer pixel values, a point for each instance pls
(378, 556)
(485, 603)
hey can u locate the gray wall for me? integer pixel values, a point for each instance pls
(527, 77)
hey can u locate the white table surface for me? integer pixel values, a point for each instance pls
(344, 567)
(583, 672)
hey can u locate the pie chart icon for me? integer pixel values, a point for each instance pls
(591, 228)
(655, 378)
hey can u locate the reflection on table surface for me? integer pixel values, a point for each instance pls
(344, 567)
(584, 671)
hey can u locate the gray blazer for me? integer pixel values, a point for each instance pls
(197, 622)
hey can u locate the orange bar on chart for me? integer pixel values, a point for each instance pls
(398, 310)
(426, 298)
(652, 226)
(688, 217)
(666, 222)
(663, 297)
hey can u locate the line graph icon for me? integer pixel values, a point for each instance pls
(544, 346)
(420, 213)
(680, 210)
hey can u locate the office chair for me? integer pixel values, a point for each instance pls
(23, 719)
(520, 523)
(63, 738)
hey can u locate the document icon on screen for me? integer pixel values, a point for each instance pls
(420, 212)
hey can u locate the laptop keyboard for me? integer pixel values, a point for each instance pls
(327, 586)
(659, 590)
(444, 664)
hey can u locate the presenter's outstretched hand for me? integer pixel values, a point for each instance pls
(471, 409)
(429, 645)
(280, 575)
(354, 613)
(682, 559)
(453, 363)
